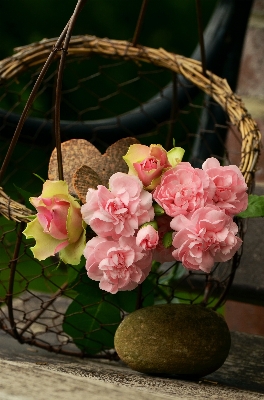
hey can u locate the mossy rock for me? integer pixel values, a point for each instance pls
(178, 339)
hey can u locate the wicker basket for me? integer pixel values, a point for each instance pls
(36, 316)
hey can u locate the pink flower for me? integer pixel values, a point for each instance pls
(119, 211)
(183, 189)
(230, 186)
(147, 238)
(204, 237)
(58, 226)
(160, 253)
(118, 265)
(148, 163)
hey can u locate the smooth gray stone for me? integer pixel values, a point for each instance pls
(176, 339)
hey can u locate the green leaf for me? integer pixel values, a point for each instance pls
(79, 280)
(148, 292)
(74, 272)
(173, 275)
(127, 300)
(91, 320)
(43, 180)
(155, 266)
(255, 207)
(167, 281)
(25, 195)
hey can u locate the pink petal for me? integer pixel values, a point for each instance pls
(61, 246)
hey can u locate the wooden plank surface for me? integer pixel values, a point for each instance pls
(30, 373)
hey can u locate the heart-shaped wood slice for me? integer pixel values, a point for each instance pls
(83, 179)
(77, 153)
(112, 160)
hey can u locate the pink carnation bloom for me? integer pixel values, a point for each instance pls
(230, 186)
(206, 236)
(147, 238)
(183, 189)
(118, 265)
(160, 253)
(119, 211)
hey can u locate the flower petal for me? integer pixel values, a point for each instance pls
(73, 252)
(45, 244)
(74, 223)
(175, 156)
(135, 153)
(53, 188)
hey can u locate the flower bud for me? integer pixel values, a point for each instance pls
(167, 240)
(154, 225)
(158, 210)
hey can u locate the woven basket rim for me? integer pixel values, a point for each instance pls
(36, 53)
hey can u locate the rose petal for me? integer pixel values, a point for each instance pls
(45, 244)
(135, 153)
(73, 252)
(53, 188)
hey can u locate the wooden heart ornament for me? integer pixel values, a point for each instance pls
(85, 167)
(83, 179)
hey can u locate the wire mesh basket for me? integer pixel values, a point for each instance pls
(104, 97)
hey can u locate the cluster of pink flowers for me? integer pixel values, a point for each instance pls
(193, 223)
(162, 210)
(202, 204)
(119, 257)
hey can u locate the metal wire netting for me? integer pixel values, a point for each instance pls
(106, 92)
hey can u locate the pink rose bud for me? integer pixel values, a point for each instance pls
(58, 226)
(147, 238)
(148, 163)
(153, 223)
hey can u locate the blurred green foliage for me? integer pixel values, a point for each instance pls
(169, 24)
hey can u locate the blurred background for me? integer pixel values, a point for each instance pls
(173, 26)
(170, 24)
(243, 316)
